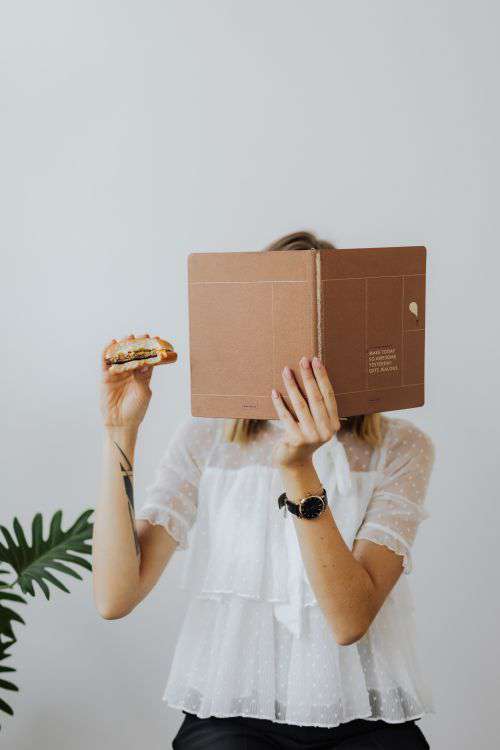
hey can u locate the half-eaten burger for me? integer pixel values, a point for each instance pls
(127, 354)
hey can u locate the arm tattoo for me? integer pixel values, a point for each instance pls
(127, 474)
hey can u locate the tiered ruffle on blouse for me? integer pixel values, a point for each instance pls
(254, 641)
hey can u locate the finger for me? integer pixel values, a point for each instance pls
(140, 366)
(327, 391)
(315, 399)
(299, 404)
(291, 426)
(144, 373)
(170, 358)
(116, 374)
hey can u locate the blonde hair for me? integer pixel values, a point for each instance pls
(368, 427)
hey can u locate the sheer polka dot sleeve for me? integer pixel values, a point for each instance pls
(396, 507)
(172, 498)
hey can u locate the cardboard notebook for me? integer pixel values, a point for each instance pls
(251, 313)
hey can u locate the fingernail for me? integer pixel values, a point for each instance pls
(316, 362)
(287, 372)
(304, 362)
(274, 393)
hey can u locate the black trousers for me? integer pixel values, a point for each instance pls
(243, 733)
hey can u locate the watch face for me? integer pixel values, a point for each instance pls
(312, 507)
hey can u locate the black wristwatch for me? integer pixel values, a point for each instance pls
(309, 507)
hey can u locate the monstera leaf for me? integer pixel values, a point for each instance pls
(7, 615)
(7, 637)
(5, 684)
(31, 563)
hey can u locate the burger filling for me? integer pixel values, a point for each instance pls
(129, 356)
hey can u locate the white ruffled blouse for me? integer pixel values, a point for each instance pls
(254, 641)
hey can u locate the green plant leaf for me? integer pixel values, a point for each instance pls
(6, 708)
(8, 616)
(6, 685)
(31, 561)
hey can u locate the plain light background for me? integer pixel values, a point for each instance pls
(135, 132)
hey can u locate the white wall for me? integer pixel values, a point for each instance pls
(133, 133)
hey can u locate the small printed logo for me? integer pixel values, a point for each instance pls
(249, 406)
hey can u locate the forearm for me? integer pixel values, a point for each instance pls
(116, 549)
(342, 586)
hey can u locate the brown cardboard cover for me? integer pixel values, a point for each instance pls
(251, 313)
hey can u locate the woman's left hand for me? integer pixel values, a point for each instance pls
(317, 416)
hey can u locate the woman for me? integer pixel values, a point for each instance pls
(300, 631)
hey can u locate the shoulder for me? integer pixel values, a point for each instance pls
(403, 436)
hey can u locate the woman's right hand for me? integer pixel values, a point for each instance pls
(125, 396)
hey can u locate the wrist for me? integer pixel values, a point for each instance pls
(300, 480)
(127, 432)
(298, 468)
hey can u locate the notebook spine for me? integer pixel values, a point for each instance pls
(319, 307)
